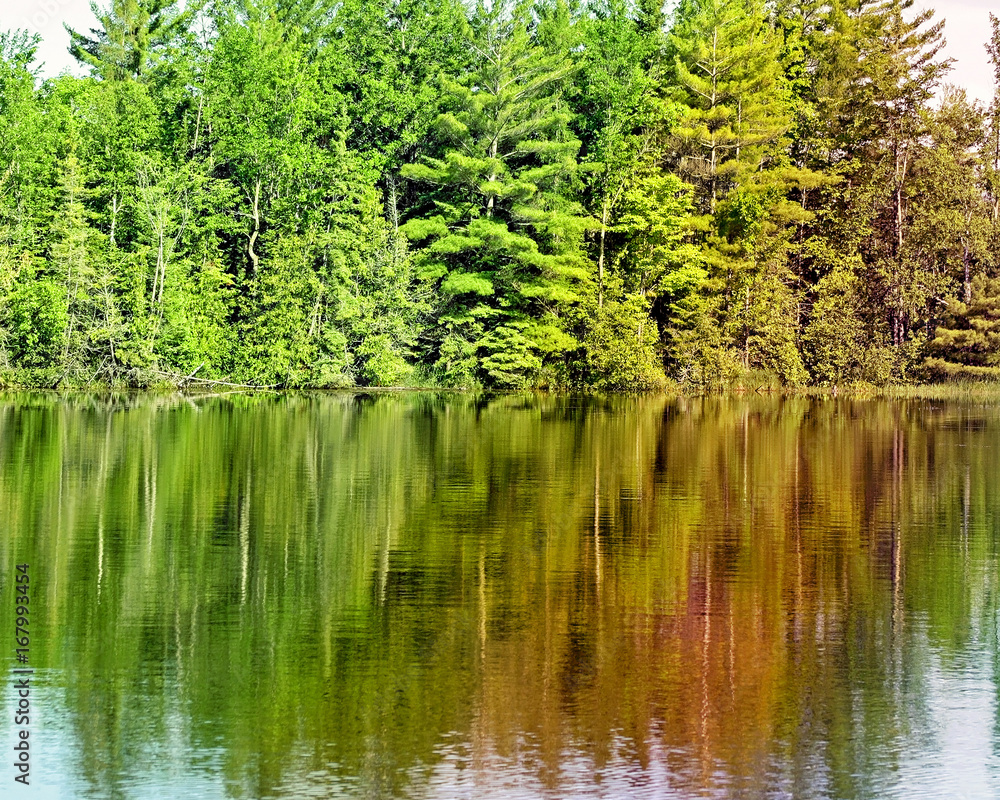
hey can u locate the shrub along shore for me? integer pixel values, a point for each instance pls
(590, 195)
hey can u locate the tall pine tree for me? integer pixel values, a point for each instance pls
(500, 231)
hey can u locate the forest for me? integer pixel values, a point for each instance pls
(562, 194)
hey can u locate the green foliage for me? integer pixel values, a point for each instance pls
(387, 57)
(940, 371)
(967, 343)
(507, 195)
(381, 363)
(699, 355)
(502, 199)
(833, 339)
(276, 345)
(839, 346)
(130, 32)
(728, 77)
(197, 308)
(764, 326)
(622, 347)
(511, 357)
(35, 320)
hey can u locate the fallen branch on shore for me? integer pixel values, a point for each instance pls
(183, 381)
(190, 377)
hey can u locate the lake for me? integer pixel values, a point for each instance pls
(428, 595)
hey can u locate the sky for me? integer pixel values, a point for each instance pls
(966, 30)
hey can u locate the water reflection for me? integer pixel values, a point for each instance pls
(443, 596)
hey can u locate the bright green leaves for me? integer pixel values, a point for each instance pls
(641, 210)
(27, 153)
(651, 222)
(729, 79)
(503, 188)
(131, 31)
(967, 344)
(729, 144)
(496, 194)
(512, 357)
(873, 87)
(387, 57)
(467, 283)
(261, 90)
(622, 346)
(839, 346)
(35, 320)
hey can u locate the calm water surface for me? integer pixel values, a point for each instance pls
(422, 596)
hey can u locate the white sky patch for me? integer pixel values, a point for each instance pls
(46, 17)
(967, 30)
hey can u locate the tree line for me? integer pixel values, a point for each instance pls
(514, 194)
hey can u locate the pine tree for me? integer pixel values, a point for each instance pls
(74, 269)
(947, 214)
(885, 114)
(729, 80)
(624, 121)
(967, 345)
(27, 194)
(130, 32)
(500, 234)
(991, 149)
(731, 145)
(618, 113)
(386, 57)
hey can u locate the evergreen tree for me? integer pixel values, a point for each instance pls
(899, 69)
(947, 214)
(309, 192)
(730, 144)
(386, 58)
(624, 121)
(27, 191)
(725, 61)
(130, 32)
(33, 311)
(501, 232)
(991, 149)
(967, 345)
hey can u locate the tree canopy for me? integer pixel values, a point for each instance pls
(505, 194)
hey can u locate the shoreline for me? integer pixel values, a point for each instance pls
(928, 391)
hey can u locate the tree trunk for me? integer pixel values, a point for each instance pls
(600, 255)
(897, 211)
(197, 125)
(161, 263)
(967, 285)
(114, 218)
(746, 331)
(493, 176)
(255, 216)
(715, 80)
